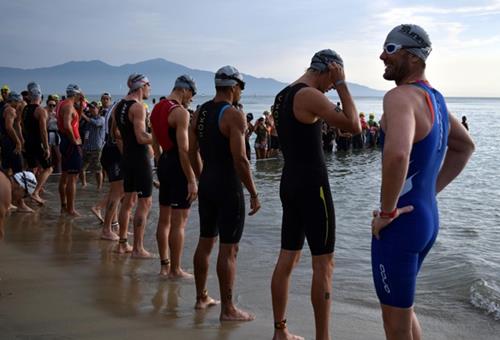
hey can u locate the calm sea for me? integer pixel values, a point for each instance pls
(460, 279)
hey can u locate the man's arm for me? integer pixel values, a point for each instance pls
(42, 115)
(236, 127)
(194, 149)
(460, 149)
(10, 117)
(180, 120)
(399, 127)
(115, 132)
(138, 114)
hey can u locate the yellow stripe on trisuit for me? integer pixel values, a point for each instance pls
(322, 196)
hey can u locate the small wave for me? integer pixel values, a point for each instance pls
(486, 296)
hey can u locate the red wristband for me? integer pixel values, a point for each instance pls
(391, 214)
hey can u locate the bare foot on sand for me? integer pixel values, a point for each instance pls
(283, 334)
(205, 302)
(36, 198)
(235, 314)
(97, 212)
(142, 254)
(123, 248)
(12, 208)
(109, 236)
(179, 274)
(23, 208)
(74, 213)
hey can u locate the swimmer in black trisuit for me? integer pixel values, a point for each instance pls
(218, 135)
(36, 139)
(129, 126)
(305, 192)
(178, 187)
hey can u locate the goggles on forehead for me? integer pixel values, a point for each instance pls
(391, 48)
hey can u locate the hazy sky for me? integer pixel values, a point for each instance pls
(266, 38)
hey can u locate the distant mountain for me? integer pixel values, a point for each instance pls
(95, 77)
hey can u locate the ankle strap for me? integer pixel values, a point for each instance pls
(280, 324)
(122, 240)
(165, 262)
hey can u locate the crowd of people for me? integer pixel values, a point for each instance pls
(205, 155)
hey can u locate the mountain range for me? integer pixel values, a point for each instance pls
(95, 77)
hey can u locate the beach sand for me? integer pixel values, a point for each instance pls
(59, 281)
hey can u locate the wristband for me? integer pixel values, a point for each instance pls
(339, 82)
(391, 214)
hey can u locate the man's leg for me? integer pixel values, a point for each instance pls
(140, 221)
(114, 197)
(226, 271)
(400, 323)
(41, 180)
(287, 260)
(99, 177)
(200, 262)
(162, 233)
(70, 194)
(129, 200)
(321, 293)
(178, 220)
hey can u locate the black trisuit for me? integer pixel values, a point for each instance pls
(136, 164)
(304, 189)
(221, 201)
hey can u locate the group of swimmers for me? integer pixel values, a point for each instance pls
(204, 157)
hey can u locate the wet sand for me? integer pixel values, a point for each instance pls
(59, 281)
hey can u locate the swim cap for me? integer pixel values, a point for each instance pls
(249, 116)
(73, 89)
(186, 82)
(26, 180)
(34, 90)
(136, 81)
(229, 76)
(361, 114)
(411, 35)
(371, 116)
(14, 97)
(5, 88)
(321, 59)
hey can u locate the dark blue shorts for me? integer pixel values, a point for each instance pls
(72, 156)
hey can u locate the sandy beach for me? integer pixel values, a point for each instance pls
(59, 281)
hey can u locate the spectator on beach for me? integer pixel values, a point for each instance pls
(53, 133)
(36, 141)
(248, 133)
(68, 119)
(424, 149)
(373, 127)
(217, 145)
(464, 123)
(130, 126)
(178, 187)
(261, 139)
(92, 146)
(305, 190)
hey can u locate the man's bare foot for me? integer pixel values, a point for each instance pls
(109, 236)
(37, 199)
(23, 208)
(283, 334)
(235, 314)
(123, 248)
(97, 212)
(142, 254)
(205, 302)
(12, 208)
(179, 274)
(74, 213)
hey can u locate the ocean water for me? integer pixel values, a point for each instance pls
(460, 278)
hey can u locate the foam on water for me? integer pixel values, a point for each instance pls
(486, 296)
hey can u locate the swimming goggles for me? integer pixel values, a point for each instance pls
(391, 48)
